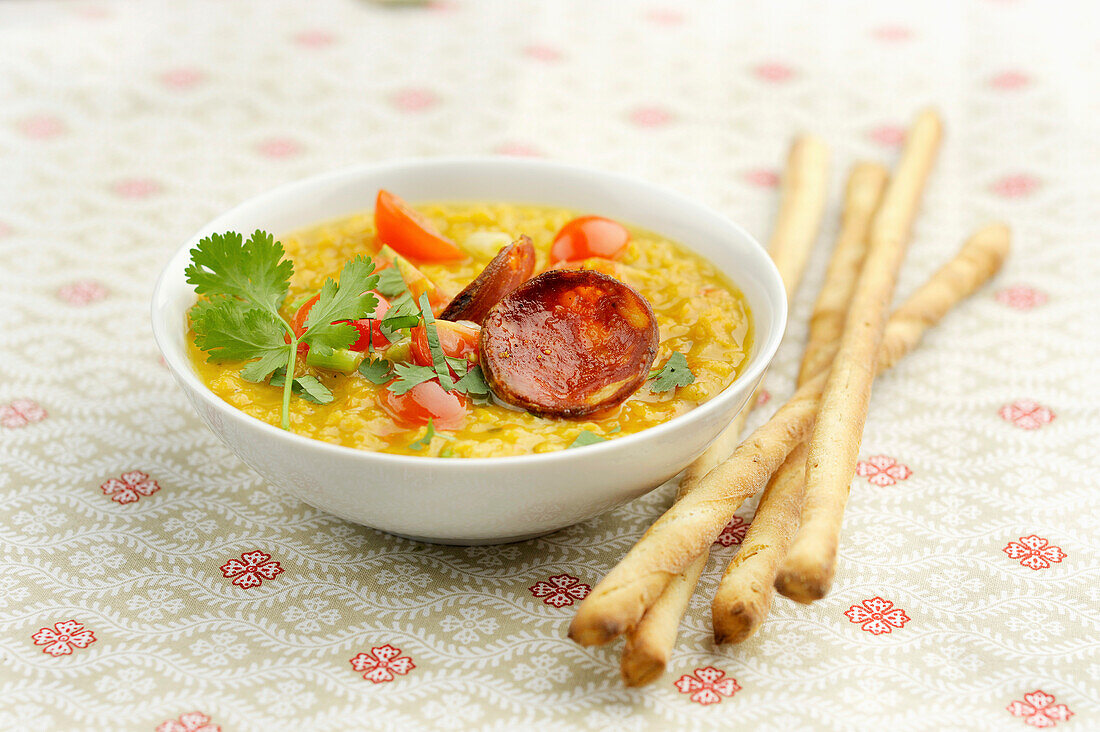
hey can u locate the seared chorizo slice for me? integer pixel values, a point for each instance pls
(568, 343)
(508, 270)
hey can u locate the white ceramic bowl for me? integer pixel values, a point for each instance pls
(478, 500)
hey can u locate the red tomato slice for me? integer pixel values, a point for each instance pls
(370, 329)
(457, 340)
(410, 233)
(425, 401)
(298, 322)
(589, 236)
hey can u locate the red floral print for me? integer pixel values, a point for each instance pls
(517, 149)
(182, 78)
(763, 397)
(42, 127)
(382, 663)
(414, 100)
(888, 135)
(83, 292)
(1026, 414)
(1034, 552)
(665, 16)
(892, 33)
(775, 73)
(63, 638)
(279, 147)
(1015, 186)
(549, 54)
(315, 38)
(1021, 297)
(733, 533)
(650, 116)
(560, 590)
(707, 686)
(763, 178)
(1010, 80)
(130, 487)
(190, 722)
(877, 616)
(251, 569)
(21, 413)
(882, 470)
(1039, 710)
(136, 188)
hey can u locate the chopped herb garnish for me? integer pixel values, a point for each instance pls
(439, 359)
(390, 282)
(410, 375)
(403, 313)
(446, 452)
(586, 438)
(307, 387)
(376, 371)
(473, 382)
(426, 440)
(675, 373)
(351, 299)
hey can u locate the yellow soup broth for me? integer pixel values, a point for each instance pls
(699, 313)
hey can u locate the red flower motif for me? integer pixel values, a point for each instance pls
(518, 149)
(1015, 186)
(382, 663)
(21, 413)
(892, 33)
(1026, 414)
(136, 188)
(763, 178)
(775, 73)
(888, 135)
(537, 52)
(82, 292)
(650, 116)
(279, 147)
(182, 78)
(190, 722)
(763, 397)
(314, 38)
(733, 533)
(251, 569)
(63, 638)
(1034, 552)
(877, 616)
(707, 685)
(42, 127)
(665, 16)
(883, 470)
(1010, 80)
(560, 590)
(130, 487)
(1039, 710)
(414, 100)
(1021, 297)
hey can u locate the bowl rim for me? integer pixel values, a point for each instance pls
(765, 351)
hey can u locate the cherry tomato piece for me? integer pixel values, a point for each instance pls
(458, 340)
(428, 400)
(370, 329)
(410, 233)
(589, 236)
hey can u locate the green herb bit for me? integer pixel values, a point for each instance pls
(473, 382)
(410, 375)
(254, 271)
(351, 299)
(586, 438)
(390, 282)
(376, 371)
(426, 440)
(402, 314)
(309, 388)
(439, 359)
(446, 452)
(675, 373)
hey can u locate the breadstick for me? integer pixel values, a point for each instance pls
(746, 590)
(801, 208)
(692, 524)
(808, 569)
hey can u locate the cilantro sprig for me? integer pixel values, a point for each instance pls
(674, 373)
(244, 285)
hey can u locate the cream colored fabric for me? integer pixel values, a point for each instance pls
(125, 126)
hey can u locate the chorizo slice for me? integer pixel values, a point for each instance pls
(568, 343)
(509, 269)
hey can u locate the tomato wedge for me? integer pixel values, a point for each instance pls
(589, 236)
(411, 233)
(428, 400)
(370, 329)
(458, 340)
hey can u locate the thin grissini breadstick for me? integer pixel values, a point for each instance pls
(833, 451)
(745, 592)
(691, 524)
(798, 223)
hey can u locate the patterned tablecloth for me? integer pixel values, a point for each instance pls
(149, 580)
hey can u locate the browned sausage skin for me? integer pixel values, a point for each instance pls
(568, 343)
(509, 269)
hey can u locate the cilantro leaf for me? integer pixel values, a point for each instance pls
(376, 371)
(473, 382)
(431, 333)
(255, 271)
(410, 375)
(258, 371)
(390, 282)
(586, 438)
(351, 299)
(675, 373)
(403, 313)
(229, 330)
(426, 439)
(309, 388)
